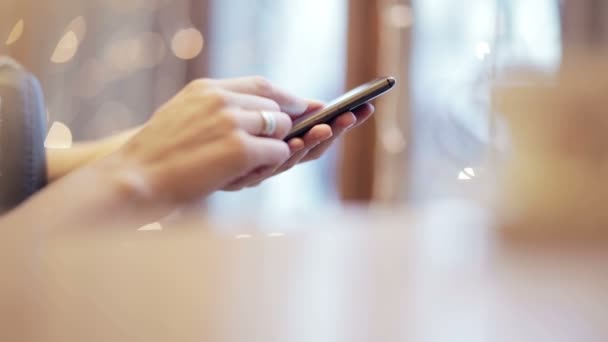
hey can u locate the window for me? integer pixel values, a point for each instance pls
(458, 50)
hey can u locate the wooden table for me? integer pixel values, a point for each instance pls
(383, 274)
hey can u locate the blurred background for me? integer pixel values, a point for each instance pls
(105, 65)
(441, 270)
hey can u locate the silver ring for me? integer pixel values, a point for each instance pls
(269, 123)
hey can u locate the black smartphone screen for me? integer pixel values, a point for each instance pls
(345, 103)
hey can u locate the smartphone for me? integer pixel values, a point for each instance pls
(346, 103)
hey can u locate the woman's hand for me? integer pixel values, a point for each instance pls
(209, 120)
(206, 137)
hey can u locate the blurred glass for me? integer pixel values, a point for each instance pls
(301, 46)
(460, 50)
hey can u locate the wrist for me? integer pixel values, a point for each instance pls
(109, 193)
(109, 146)
(125, 179)
(124, 198)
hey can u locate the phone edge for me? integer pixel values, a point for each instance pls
(382, 85)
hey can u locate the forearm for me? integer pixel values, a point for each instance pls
(60, 162)
(98, 195)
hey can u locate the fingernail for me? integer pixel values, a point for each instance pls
(296, 109)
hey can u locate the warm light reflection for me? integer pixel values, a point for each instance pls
(79, 27)
(187, 43)
(16, 33)
(400, 16)
(243, 236)
(66, 48)
(59, 136)
(393, 141)
(276, 234)
(153, 227)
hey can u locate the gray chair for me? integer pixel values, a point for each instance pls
(23, 128)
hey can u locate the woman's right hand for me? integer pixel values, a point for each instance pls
(205, 138)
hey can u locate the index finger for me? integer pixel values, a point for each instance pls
(259, 86)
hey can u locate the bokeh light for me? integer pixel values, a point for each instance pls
(467, 174)
(144, 50)
(123, 55)
(393, 141)
(482, 50)
(16, 32)
(59, 136)
(400, 16)
(187, 43)
(66, 48)
(79, 26)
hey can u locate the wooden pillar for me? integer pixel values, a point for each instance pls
(584, 27)
(374, 161)
(393, 117)
(357, 164)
